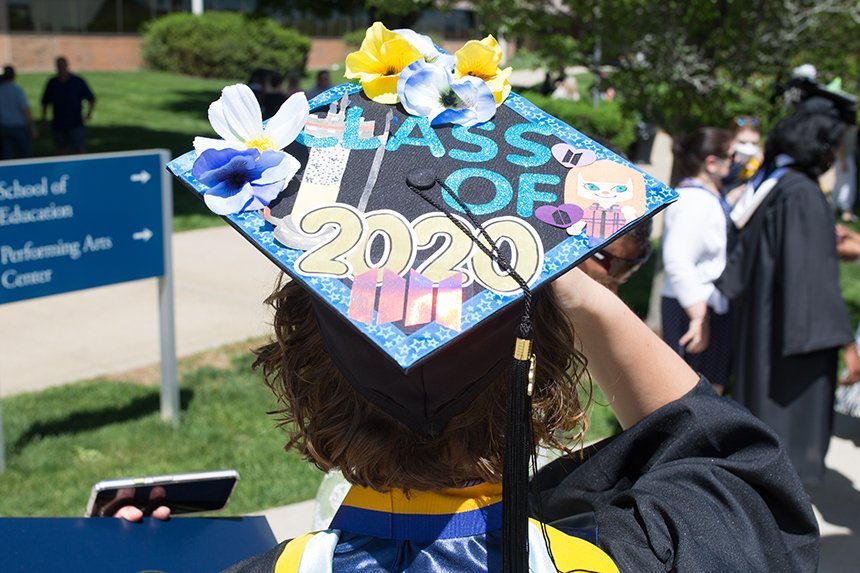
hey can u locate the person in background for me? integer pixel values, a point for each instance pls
(567, 89)
(258, 81)
(614, 264)
(782, 277)
(274, 95)
(695, 315)
(65, 93)
(748, 156)
(848, 249)
(17, 129)
(323, 83)
(293, 84)
(844, 192)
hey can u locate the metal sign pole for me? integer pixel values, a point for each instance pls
(2, 442)
(169, 383)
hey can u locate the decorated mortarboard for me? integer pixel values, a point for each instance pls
(335, 191)
(419, 205)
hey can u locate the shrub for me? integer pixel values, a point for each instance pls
(353, 39)
(222, 45)
(607, 121)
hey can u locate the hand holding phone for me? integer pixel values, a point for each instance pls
(162, 496)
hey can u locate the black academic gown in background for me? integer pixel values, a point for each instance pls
(699, 485)
(782, 277)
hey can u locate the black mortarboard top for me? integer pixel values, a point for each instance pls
(396, 199)
(824, 101)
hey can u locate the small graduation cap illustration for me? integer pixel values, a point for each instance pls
(420, 205)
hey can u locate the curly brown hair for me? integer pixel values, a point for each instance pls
(334, 427)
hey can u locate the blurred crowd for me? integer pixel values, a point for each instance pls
(751, 293)
(268, 86)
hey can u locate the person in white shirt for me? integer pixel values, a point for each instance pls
(695, 315)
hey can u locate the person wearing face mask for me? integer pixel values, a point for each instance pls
(748, 155)
(695, 316)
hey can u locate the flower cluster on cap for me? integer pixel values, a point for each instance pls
(406, 67)
(247, 168)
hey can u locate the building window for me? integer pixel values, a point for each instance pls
(20, 18)
(129, 16)
(102, 16)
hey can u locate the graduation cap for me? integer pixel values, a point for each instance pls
(420, 206)
(838, 105)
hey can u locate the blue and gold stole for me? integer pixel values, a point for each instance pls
(444, 514)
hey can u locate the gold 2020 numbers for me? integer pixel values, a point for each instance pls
(349, 252)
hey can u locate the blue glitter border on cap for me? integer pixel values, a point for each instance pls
(405, 349)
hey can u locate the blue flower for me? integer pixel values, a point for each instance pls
(242, 180)
(431, 91)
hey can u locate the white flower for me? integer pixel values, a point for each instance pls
(430, 91)
(425, 45)
(236, 117)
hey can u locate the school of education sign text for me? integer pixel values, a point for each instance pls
(72, 223)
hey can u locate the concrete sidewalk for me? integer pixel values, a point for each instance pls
(220, 283)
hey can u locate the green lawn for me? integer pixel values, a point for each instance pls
(144, 110)
(61, 441)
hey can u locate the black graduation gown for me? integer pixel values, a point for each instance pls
(782, 277)
(699, 485)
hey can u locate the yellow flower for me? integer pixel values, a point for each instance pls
(481, 59)
(378, 63)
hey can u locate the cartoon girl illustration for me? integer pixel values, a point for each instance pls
(610, 194)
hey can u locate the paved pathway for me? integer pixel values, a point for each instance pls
(220, 283)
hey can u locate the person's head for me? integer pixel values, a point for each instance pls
(259, 77)
(276, 80)
(334, 426)
(810, 136)
(706, 152)
(8, 74)
(613, 265)
(323, 80)
(62, 65)
(293, 82)
(747, 140)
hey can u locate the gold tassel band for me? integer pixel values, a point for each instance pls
(523, 349)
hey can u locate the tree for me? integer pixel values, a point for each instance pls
(682, 63)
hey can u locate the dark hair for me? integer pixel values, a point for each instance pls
(322, 74)
(334, 427)
(8, 73)
(641, 233)
(810, 138)
(692, 149)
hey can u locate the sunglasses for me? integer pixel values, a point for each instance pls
(620, 269)
(745, 121)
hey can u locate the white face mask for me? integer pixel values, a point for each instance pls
(745, 151)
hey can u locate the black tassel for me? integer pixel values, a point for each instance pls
(518, 450)
(518, 427)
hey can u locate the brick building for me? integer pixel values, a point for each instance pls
(105, 34)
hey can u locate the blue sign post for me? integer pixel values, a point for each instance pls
(70, 223)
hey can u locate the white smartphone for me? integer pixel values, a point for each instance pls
(182, 493)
